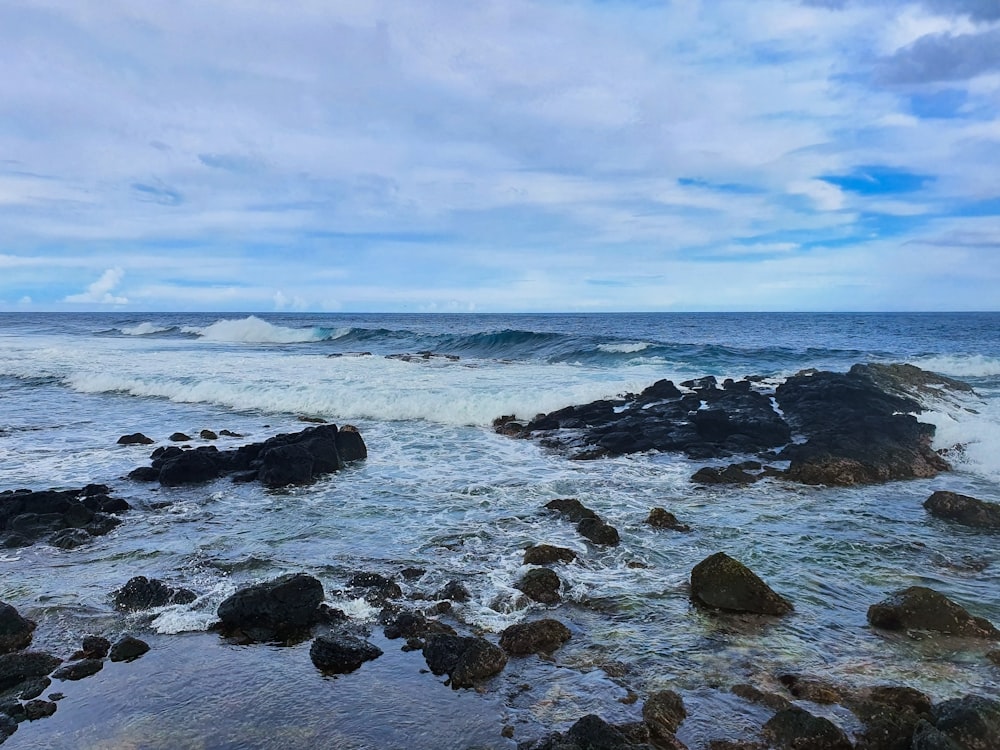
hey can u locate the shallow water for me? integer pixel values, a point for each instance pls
(441, 491)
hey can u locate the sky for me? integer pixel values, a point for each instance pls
(499, 155)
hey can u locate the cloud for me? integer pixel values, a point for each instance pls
(943, 57)
(100, 292)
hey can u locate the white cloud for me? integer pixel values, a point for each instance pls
(100, 292)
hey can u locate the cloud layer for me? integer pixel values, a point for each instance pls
(502, 155)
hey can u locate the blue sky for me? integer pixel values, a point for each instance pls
(503, 155)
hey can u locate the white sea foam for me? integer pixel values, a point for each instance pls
(971, 437)
(631, 348)
(143, 329)
(253, 330)
(959, 366)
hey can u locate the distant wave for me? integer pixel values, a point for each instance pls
(961, 366)
(145, 329)
(627, 348)
(253, 330)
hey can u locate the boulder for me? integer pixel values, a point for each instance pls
(93, 647)
(208, 435)
(145, 593)
(536, 637)
(38, 709)
(15, 631)
(546, 554)
(972, 721)
(890, 715)
(22, 666)
(598, 532)
(136, 438)
(963, 509)
(128, 648)
(921, 608)
(376, 589)
(660, 518)
(796, 729)
(720, 582)
(77, 670)
(350, 445)
(414, 625)
(279, 610)
(286, 464)
(594, 733)
(180, 437)
(465, 660)
(188, 467)
(63, 518)
(340, 654)
(664, 712)
(453, 591)
(571, 509)
(541, 585)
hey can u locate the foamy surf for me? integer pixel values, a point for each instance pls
(253, 330)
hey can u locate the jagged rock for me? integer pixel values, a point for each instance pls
(571, 508)
(963, 509)
(546, 554)
(77, 670)
(726, 475)
(15, 631)
(921, 608)
(279, 610)
(145, 593)
(466, 661)
(890, 715)
(811, 689)
(972, 721)
(796, 729)
(541, 584)
(93, 647)
(454, 591)
(63, 518)
(128, 648)
(536, 637)
(21, 666)
(136, 438)
(599, 532)
(339, 654)
(664, 712)
(756, 695)
(414, 625)
(660, 518)
(377, 589)
(38, 709)
(720, 582)
(188, 467)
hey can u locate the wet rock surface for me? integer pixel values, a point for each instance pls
(541, 585)
(795, 728)
(15, 630)
(968, 511)
(851, 428)
(62, 518)
(341, 653)
(535, 637)
(284, 609)
(141, 593)
(722, 583)
(466, 660)
(286, 459)
(547, 554)
(922, 608)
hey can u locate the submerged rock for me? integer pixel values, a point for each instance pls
(63, 518)
(145, 593)
(283, 609)
(890, 715)
(720, 582)
(598, 532)
(963, 509)
(972, 721)
(546, 554)
(340, 654)
(23, 666)
(15, 631)
(571, 509)
(664, 712)
(465, 660)
(922, 608)
(77, 670)
(535, 637)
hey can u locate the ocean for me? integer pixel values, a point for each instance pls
(443, 492)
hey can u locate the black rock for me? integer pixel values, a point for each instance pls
(921, 608)
(598, 532)
(339, 654)
(350, 445)
(546, 554)
(94, 647)
(454, 591)
(664, 712)
(77, 670)
(660, 518)
(70, 538)
(128, 648)
(136, 438)
(145, 593)
(38, 709)
(890, 715)
(972, 721)
(21, 666)
(467, 661)
(144, 474)
(8, 724)
(964, 509)
(15, 631)
(720, 582)
(571, 508)
(535, 637)
(542, 585)
(378, 590)
(189, 467)
(279, 610)
(796, 729)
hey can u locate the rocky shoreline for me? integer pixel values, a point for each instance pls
(852, 429)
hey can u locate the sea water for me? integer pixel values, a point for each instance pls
(441, 491)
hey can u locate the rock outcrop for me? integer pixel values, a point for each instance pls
(284, 609)
(720, 582)
(535, 637)
(922, 608)
(62, 518)
(466, 660)
(963, 509)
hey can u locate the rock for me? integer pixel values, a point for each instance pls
(15, 631)
(145, 593)
(664, 712)
(921, 608)
(128, 648)
(22, 666)
(189, 467)
(811, 689)
(350, 445)
(414, 625)
(64, 518)
(571, 508)
(144, 474)
(279, 610)
(546, 554)
(77, 670)
(755, 695)
(208, 435)
(541, 585)
(598, 532)
(377, 589)
(8, 725)
(340, 654)
(70, 538)
(927, 737)
(593, 733)
(971, 721)
(180, 437)
(535, 637)
(994, 656)
(94, 647)
(890, 715)
(727, 475)
(465, 660)
(38, 709)
(285, 465)
(796, 729)
(136, 438)
(720, 582)
(964, 510)
(736, 745)
(454, 591)
(660, 518)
